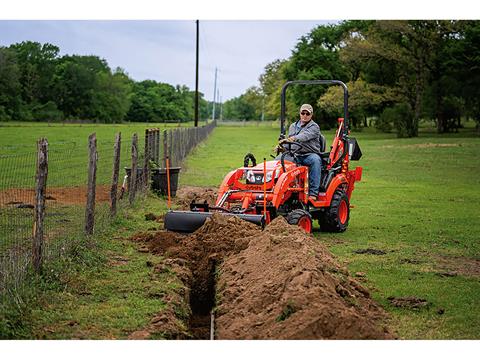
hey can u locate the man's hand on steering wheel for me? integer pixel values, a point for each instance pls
(287, 140)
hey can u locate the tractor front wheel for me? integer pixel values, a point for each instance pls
(335, 218)
(301, 218)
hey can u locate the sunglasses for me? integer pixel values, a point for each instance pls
(305, 113)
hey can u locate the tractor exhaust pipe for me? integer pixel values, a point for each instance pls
(189, 221)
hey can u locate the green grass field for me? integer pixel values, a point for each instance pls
(418, 202)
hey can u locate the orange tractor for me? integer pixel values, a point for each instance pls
(259, 193)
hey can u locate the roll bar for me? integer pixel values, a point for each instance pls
(314, 82)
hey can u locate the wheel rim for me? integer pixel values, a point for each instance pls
(343, 212)
(305, 223)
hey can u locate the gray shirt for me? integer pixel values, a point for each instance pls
(308, 135)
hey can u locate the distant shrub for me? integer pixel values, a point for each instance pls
(3, 114)
(401, 116)
(24, 114)
(383, 123)
(47, 112)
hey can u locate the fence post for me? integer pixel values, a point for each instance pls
(146, 163)
(170, 143)
(157, 146)
(92, 177)
(165, 148)
(116, 169)
(132, 188)
(39, 215)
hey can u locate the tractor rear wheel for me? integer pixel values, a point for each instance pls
(301, 218)
(335, 218)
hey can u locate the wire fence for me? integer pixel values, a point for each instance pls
(42, 224)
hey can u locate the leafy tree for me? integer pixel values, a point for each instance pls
(37, 65)
(271, 83)
(364, 100)
(10, 86)
(247, 106)
(465, 65)
(112, 94)
(316, 57)
(74, 83)
(407, 51)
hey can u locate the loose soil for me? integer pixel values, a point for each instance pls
(409, 302)
(458, 265)
(279, 283)
(370, 251)
(186, 194)
(74, 195)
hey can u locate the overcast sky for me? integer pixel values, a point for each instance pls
(164, 50)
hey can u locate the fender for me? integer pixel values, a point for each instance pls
(324, 200)
(280, 191)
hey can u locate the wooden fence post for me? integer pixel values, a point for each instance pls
(92, 177)
(157, 147)
(116, 169)
(39, 215)
(165, 148)
(132, 188)
(170, 143)
(146, 165)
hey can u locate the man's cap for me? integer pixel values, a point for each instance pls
(307, 107)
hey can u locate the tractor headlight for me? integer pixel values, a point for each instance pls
(250, 177)
(271, 174)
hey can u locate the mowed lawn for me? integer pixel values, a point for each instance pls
(24, 134)
(417, 202)
(68, 150)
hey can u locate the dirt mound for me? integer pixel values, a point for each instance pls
(286, 285)
(186, 194)
(279, 283)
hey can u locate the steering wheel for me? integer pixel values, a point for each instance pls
(291, 148)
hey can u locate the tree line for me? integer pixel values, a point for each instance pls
(37, 84)
(398, 73)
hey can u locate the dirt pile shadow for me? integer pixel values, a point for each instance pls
(279, 283)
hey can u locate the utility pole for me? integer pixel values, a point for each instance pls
(221, 109)
(196, 81)
(214, 94)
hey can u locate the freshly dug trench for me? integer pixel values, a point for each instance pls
(201, 252)
(279, 283)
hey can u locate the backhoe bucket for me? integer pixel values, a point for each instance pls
(189, 221)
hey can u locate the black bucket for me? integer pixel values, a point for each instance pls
(159, 180)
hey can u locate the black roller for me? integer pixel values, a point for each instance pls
(189, 221)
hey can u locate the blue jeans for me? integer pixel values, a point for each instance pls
(314, 163)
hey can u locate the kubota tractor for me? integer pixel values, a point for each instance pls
(260, 192)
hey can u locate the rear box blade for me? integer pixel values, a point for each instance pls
(189, 221)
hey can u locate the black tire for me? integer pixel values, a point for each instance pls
(332, 219)
(301, 218)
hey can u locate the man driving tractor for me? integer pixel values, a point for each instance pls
(307, 133)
